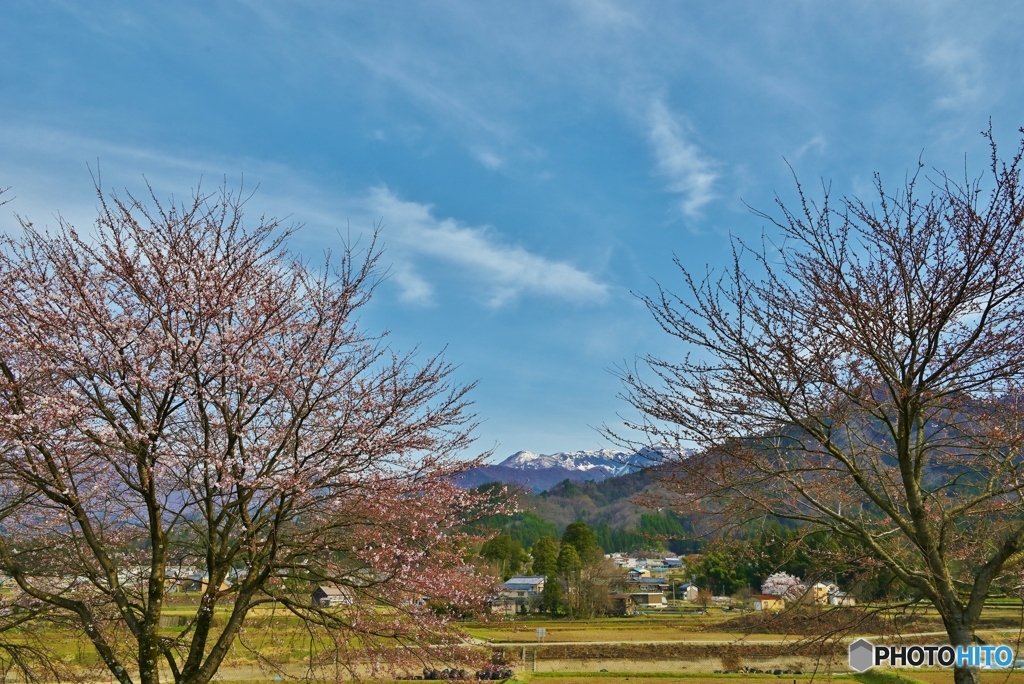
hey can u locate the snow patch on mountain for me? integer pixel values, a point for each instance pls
(607, 462)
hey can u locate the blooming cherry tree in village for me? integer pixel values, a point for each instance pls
(182, 400)
(785, 585)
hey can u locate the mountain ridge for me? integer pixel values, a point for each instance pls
(540, 472)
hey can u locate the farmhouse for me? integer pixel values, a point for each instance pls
(648, 584)
(687, 592)
(841, 598)
(622, 604)
(822, 590)
(650, 599)
(502, 606)
(329, 596)
(199, 581)
(523, 586)
(768, 602)
(522, 589)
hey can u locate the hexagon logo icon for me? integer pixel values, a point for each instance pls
(862, 655)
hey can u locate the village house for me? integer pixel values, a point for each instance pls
(522, 589)
(621, 560)
(654, 570)
(647, 584)
(199, 581)
(622, 604)
(829, 593)
(517, 595)
(841, 598)
(650, 599)
(177, 578)
(502, 606)
(330, 596)
(638, 573)
(768, 602)
(820, 591)
(687, 592)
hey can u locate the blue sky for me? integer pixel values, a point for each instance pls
(533, 163)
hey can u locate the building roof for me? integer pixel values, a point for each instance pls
(525, 579)
(330, 590)
(767, 597)
(523, 583)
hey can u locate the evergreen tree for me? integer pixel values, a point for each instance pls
(506, 553)
(569, 560)
(551, 599)
(545, 557)
(581, 537)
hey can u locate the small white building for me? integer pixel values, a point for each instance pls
(621, 560)
(687, 592)
(841, 598)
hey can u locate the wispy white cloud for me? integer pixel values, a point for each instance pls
(960, 70)
(414, 289)
(488, 159)
(417, 241)
(687, 171)
(503, 271)
(816, 143)
(450, 103)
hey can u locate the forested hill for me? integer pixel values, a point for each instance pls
(609, 507)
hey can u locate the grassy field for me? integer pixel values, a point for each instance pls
(633, 629)
(657, 678)
(1001, 620)
(286, 642)
(594, 631)
(870, 677)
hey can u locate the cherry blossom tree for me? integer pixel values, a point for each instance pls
(862, 377)
(186, 403)
(785, 585)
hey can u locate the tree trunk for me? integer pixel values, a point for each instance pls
(965, 675)
(961, 635)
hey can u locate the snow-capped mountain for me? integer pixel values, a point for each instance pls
(542, 471)
(612, 463)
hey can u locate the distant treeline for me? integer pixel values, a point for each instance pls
(659, 530)
(656, 531)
